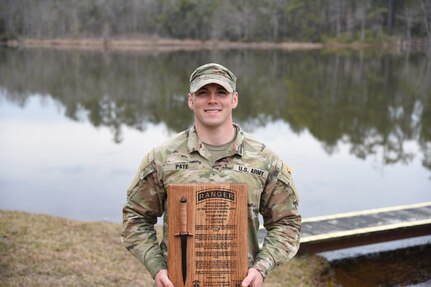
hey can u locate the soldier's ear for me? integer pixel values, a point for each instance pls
(190, 101)
(235, 97)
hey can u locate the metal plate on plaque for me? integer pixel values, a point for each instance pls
(207, 234)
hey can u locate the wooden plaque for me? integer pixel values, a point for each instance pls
(214, 222)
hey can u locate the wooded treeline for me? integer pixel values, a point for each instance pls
(233, 20)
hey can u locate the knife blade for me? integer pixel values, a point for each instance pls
(183, 235)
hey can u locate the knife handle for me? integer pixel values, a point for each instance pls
(183, 215)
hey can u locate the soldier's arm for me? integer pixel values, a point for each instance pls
(144, 204)
(279, 208)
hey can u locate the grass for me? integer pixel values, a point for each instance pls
(42, 250)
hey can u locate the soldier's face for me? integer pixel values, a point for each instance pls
(213, 105)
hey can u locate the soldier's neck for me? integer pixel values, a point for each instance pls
(216, 136)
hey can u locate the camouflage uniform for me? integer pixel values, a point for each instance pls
(185, 159)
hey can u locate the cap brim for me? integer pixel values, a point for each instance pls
(196, 85)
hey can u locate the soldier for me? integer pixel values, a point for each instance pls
(214, 150)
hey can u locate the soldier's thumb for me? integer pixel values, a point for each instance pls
(247, 280)
(167, 283)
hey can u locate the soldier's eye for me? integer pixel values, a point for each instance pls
(201, 93)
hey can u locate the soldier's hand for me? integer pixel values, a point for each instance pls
(162, 279)
(253, 279)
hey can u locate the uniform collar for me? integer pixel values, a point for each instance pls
(194, 144)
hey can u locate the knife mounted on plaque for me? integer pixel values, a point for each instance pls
(207, 234)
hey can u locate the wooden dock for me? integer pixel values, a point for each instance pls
(352, 229)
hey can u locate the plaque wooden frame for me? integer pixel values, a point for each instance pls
(216, 232)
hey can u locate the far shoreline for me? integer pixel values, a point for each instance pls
(159, 44)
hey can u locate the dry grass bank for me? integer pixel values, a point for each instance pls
(42, 250)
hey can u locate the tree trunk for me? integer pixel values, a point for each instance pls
(409, 24)
(426, 19)
(275, 27)
(338, 19)
(363, 19)
(390, 15)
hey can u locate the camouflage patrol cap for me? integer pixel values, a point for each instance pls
(212, 73)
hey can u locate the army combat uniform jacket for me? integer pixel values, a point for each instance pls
(185, 159)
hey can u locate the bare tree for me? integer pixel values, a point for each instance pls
(426, 16)
(363, 19)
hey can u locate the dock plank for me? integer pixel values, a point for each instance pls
(351, 229)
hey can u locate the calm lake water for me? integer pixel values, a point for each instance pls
(355, 126)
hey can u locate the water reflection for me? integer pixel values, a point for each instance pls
(372, 106)
(367, 99)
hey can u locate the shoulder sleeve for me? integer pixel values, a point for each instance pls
(279, 208)
(145, 168)
(285, 176)
(145, 202)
